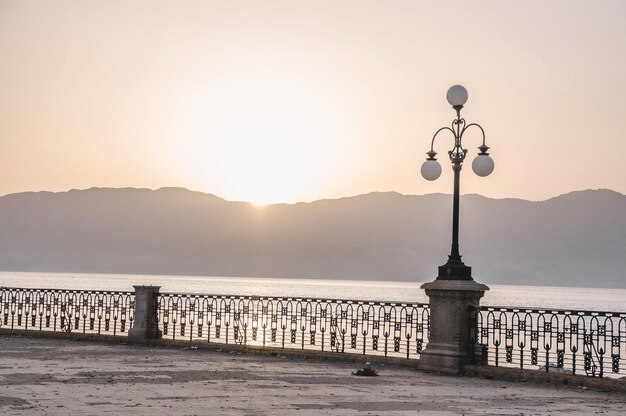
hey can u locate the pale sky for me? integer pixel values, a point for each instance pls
(285, 101)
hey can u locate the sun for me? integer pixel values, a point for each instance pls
(260, 171)
(265, 143)
(262, 159)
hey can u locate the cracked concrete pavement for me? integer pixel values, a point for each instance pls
(41, 376)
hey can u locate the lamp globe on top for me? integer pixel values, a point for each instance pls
(457, 96)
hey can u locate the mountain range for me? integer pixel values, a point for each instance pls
(576, 239)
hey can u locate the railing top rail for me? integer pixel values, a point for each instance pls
(299, 299)
(102, 292)
(572, 312)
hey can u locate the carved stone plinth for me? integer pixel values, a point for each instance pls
(451, 302)
(145, 325)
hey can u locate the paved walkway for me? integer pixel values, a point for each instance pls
(60, 377)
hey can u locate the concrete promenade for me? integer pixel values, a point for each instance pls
(41, 376)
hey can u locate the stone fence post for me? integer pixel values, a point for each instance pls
(146, 307)
(451, 303)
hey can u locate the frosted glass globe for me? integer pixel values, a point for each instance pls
(431, 169)
(483, 165)
(457, 95)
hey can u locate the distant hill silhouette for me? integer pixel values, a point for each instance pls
(577, 239)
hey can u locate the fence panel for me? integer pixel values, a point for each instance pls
(62, 310)
(365, 327)
(577, 342)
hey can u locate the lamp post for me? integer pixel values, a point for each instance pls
(483, 165)
(453, 295)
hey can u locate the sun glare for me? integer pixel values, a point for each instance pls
(262, 161)
(264, 143)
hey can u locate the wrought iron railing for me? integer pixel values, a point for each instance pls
(377, 328)
(60, 310)
(580, 342)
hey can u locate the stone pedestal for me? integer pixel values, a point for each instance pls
(145, 325)
(451, 302)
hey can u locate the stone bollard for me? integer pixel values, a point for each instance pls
(451, 303)
(146, 304)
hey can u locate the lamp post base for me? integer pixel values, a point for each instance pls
(451, 302)
(454, 270)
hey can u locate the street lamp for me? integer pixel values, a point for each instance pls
(453, 296)
(483, 165)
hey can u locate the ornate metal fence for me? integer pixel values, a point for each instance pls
(377, 328)
(580, 342)
(58, 310)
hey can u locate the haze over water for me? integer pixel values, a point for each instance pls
(608, 300)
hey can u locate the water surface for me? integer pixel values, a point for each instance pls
(499, 295)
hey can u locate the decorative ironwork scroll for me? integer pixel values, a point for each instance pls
(579, 342)
(58, 310)
(365, 327)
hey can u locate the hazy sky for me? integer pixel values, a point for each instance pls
(289, 101)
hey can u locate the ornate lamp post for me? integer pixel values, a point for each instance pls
(453, 295)
(431, 170)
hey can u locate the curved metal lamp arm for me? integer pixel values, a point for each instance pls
(432, 143)
(458, 129)
(481, 129)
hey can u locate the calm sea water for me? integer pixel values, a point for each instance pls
(613, 300)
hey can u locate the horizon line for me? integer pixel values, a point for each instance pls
(181, 188)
